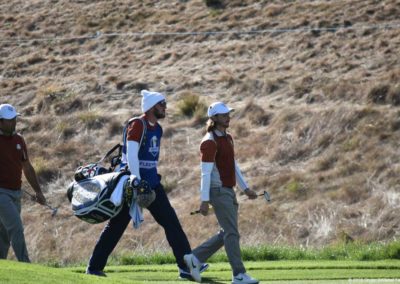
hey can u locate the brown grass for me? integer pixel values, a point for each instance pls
(316, 121)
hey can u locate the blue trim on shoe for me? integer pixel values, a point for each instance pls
(204, 267)
(184, 274)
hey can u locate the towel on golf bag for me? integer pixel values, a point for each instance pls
(90, 197)
(117, 197)
(136, 213)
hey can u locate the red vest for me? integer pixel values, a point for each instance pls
(221, 152)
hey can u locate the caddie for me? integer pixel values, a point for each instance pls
(141, 155)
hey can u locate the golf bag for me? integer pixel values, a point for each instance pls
(91, 191)
(90, 197)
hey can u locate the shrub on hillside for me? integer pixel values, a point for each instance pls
(58, 99)
(65, 130)
(45, 170)
(296, 188)
(91, 119)
(302, 86)
(68, 106)
(378, 94)
(255, 113)
(191, 106)
(326, 162)
(341, 90)
(216, 4)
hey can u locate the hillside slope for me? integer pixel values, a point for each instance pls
(315, 85)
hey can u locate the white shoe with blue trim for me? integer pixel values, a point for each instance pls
(194, 266)
(244, 278)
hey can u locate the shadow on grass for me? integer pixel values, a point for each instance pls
(210, 280)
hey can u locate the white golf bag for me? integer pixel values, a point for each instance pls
(90, 198)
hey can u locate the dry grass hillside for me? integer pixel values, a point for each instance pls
(315, 85)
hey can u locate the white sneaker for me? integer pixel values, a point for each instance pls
(194, 266)
(243, 278)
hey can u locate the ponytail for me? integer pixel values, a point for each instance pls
(210, 125)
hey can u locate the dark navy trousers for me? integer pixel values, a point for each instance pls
(162, 212)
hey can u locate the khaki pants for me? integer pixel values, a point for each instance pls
(11, 228)
(224, 202)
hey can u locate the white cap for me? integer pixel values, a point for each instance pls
(218, 108)
(7, 111)
(150, 99)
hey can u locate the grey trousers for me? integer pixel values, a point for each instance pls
(11, 227)
(224, 202)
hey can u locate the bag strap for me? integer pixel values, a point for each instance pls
(117, 146)
(125, 132)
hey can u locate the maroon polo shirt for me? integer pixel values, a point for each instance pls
(12, 153)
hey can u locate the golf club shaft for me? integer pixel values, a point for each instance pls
(34, 197)
(265, 194)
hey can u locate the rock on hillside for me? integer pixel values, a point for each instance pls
(315, 85)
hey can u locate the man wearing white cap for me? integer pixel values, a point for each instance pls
(219, 174)
(13, 161)
(141, 154)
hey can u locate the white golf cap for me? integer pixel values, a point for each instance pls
(150, 99)
(218, 108)
(7, 111)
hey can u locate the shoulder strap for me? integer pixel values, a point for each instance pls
(125, 132)
(118, 146)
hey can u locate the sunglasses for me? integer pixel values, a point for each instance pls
(163, 103)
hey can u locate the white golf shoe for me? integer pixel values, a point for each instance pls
(194, 266)
(244, 278)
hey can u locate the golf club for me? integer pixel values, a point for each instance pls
(265, 194)
(195, 212)
(53, 210)
(210, 210)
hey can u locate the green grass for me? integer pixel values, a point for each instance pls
(387, 271)
(341, 251)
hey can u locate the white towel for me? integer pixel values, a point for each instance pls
(116, 196)
(135, 211)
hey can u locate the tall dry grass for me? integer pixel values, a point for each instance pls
(316, 121)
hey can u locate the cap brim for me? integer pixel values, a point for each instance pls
(10, 117)
(229, 110)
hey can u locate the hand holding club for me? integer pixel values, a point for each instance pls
(251, 194)
(39, 198)
(205, 208)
